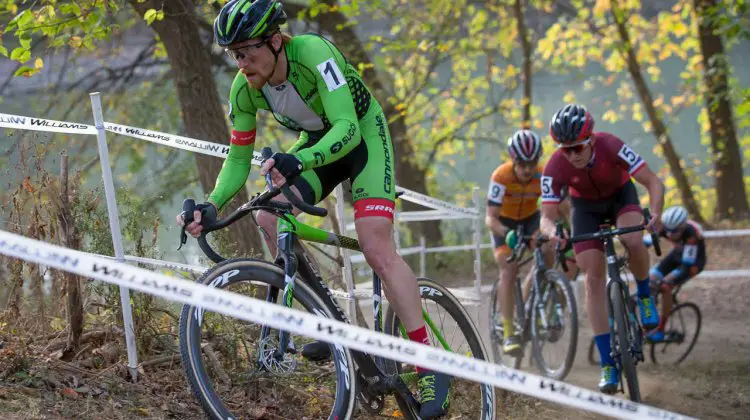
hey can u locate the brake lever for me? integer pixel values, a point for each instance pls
(188, 207)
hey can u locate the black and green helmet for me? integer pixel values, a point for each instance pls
(240, 20)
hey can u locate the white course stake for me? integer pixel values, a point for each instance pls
(477, 249)
(114, 225)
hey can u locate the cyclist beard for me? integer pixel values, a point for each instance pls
(263, 78)
(258, 84)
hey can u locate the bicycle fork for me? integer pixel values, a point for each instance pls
(285, 247)
(613, 277)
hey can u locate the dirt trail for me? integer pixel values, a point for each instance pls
(712, 383)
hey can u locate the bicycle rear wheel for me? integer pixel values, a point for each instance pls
(232, 368)
(680, 335)
(497, 333)
(450, 328)
(554, 321)
(624, 339)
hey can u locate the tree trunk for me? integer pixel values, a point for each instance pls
(202, 113)
(72, 240)
(730, 186)
(659, 128)
(408, 173)
(526, 47)
(36, 276)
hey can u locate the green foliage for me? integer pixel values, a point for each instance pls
(448, 65)
(78, 24)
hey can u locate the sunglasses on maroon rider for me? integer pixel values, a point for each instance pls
(577, 148)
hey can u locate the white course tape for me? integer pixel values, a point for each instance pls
(39, 124)
(221, 150)
(322, 328)
(725, 233)
(434, 203)
(197, 269)
(180, 142)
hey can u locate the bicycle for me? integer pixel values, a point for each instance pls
(676, 330)
(621, 262)
(541, 317)
(356, 376)
(626, 338)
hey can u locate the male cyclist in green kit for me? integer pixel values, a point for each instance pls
(311, 88)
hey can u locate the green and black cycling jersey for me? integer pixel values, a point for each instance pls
(339, 120)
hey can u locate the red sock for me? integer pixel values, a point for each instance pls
(420, 336)
(662, 322)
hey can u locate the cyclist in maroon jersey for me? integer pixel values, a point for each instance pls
(597, 169)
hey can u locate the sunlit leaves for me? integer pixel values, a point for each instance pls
(444, 59)
(20, 54)
(153, 14)
(76, 24)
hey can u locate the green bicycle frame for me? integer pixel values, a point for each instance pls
(288, 229)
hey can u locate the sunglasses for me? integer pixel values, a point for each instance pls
(242, 52)
(577, 148)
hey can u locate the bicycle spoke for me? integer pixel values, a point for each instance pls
(555, 327)
(235, 368)
(680, 335)
(449, 327)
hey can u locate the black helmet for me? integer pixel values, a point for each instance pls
(570, 124)
(240, 20)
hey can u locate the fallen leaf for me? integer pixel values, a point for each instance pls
(27, 186)
(69, 392)
(83, 389)
(142, 411)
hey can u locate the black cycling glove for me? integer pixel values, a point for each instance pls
(287, 164)
(208, 213)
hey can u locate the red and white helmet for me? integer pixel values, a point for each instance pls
(571, 124)
(525, 145)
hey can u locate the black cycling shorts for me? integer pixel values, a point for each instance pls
(589, 215)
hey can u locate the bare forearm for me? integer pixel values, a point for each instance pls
(550, 214)
(495, 226)
(656, 195)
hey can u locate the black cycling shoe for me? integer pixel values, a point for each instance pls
(317, 351)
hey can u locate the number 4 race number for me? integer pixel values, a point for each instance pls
(331, 74)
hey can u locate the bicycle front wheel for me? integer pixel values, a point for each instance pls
(450, 328)
(554, 326)
(497, 334)
(680, 335)
(624, 339)
(234, 368)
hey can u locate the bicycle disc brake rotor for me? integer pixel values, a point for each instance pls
(270, 362)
